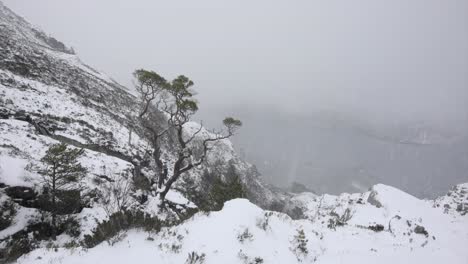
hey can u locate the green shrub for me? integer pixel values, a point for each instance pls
(215, 188)
(121, 221)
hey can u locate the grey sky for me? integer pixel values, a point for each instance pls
(394, 59)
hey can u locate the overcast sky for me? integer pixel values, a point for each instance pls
(394, 58)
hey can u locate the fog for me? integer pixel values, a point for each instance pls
(338, 95)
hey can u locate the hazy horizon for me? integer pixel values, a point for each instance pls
(398, 59)
(381, 64)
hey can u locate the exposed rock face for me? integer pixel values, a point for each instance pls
(372, 200)
(21, 193)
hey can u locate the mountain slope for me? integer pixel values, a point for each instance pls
(48, 96)
(385, 225)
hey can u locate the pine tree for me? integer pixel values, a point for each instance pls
(62, 172)
(176, 100)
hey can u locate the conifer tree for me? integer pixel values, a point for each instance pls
(62, 172)
(176, 100)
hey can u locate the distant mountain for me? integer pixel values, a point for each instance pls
(331, 152)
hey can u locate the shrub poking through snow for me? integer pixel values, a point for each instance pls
(245, 236)
(376, 228)
(263, 222)
(248, 260)
(258, 260)
(194, 258)
(339, 220)
(115, 195)
(299, 245)
(421, 230)
(120, 222)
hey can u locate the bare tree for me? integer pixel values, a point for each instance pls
(116, 193)
(175, 100)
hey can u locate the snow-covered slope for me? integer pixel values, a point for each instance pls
(47, 96)
(384, 225)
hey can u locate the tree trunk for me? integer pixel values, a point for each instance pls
(169, 183)
(54, 212)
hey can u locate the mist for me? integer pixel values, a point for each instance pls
(337, 95)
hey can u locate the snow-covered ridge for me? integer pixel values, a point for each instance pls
(383, 225)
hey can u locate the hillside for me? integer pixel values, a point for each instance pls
(383, 225)
(49, 96)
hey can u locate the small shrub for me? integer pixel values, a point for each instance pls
(244, 236)
(421, 230)
(331, 223)
(18, 245)
(247, 260)
(117, 238)
(339, 220)
(71, 227)
(71, 244)
(258, 260)
(194, 258)
(175, 248)
(121, 221)
(242, 256)
(376, 228)
(263, 223)
(299, 245)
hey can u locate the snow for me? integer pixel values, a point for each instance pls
(89, 219)
(20, 221)
(267, 235)
(272, 234)
(12, 171)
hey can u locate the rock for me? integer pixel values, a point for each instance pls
(421, 230)
(25, 196)
(68, 202)
(462, 208)
(373, 200)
